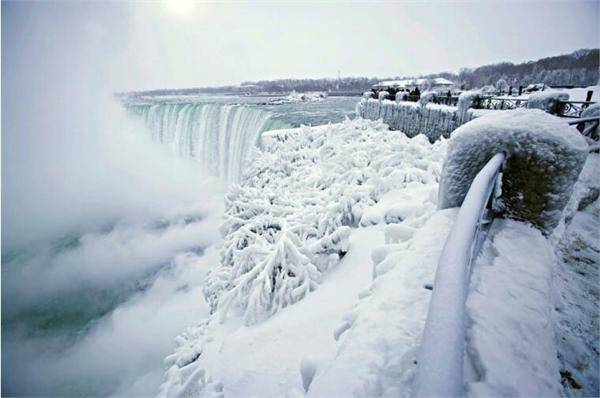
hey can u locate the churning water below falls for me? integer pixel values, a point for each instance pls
(95, 311)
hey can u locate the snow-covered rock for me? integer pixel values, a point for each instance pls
(543, 159)
(548, 101)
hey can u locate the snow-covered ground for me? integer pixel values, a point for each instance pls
(331, 242)
(580, 93)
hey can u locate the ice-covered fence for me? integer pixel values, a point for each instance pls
(544, 158)
(434, 121)
(440, 364)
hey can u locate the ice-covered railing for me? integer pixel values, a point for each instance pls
(433, 121)
(440, 364)
(588, 126)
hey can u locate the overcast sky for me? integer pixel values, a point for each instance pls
(145, 45)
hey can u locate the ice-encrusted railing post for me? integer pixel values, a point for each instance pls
(441, 355)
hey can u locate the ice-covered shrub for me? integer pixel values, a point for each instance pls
(383, 95)
(426, 97)
(544, 158)
(289, 220)
(502, 85)
(367, 94)
(548, 101)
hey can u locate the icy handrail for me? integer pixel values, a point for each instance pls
(441, 356)
(584, 120)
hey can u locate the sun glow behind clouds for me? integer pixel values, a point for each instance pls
(180, 7)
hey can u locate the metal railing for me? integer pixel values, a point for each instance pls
(587, 126)
(501, 103)
(441, 355)
(572, 108)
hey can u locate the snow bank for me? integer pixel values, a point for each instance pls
(510, 338)
(544, 158)
(548, 101)
(379, 337)
(575, 286)
(433, 121)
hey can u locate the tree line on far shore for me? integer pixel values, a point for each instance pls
(578, 69)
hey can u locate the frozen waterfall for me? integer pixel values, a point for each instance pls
(218, 136)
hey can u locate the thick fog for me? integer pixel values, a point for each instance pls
(105, 235)
(69, 154)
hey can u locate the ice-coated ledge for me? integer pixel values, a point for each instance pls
(432, 120)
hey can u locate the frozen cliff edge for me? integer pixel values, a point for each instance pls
(411, 118)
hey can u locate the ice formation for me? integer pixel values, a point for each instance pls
(219, 136)
(433, 121)
(465, 100)
(426, 97)
(544, 158)
(382, 95)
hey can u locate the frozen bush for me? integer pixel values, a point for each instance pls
(543, 159)
(548, 101)
(383, 95)
(502, 85)
(289, 220)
